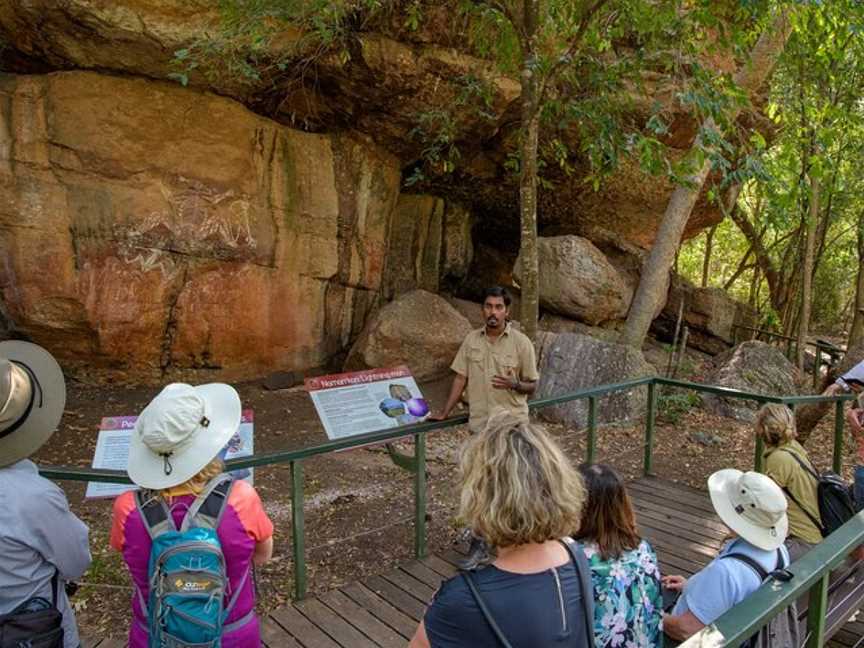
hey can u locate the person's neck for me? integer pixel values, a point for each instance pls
(494, 333)
(531, 557)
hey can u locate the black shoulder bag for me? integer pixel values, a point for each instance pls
(36, 623)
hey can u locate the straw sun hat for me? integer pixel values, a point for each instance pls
(180, 432)
(752, 505)
(32, 399)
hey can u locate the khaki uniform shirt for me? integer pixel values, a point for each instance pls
(783, 469)
(480, 359)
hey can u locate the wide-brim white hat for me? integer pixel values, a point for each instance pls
(752, 505)
(36, 417)
(180, 432)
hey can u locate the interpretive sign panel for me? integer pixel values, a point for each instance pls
(112, 451)
(365, 401)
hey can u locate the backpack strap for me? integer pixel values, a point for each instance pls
(752, 564)
(801, 463)
(809, 515)
(583, 573)
(206, 511)
(469, 578)
(154, 513)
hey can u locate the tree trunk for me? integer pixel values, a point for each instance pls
(650, 292)
(856, 331)
(530, 284)
(706, 262)
(807, 271)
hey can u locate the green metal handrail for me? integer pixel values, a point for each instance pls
(418, 432)
(809, 574)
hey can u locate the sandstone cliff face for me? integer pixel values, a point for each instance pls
(153, 230)
(381, 91)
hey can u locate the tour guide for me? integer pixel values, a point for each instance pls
(498, 364)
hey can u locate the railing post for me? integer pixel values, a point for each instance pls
(817, 367)
(816, 613)
(420, 496)
(649, 428)
(591, 450)
(838, 436)
(297, 524)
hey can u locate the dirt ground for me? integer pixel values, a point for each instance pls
(359, 506)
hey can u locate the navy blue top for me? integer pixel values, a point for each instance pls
(528, 609)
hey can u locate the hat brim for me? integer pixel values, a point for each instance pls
(147, 469)
(719, 486)
(49, 401)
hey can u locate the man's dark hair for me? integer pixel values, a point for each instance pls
(497, 291)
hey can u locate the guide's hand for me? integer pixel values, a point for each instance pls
(503, 382)
(675, 583)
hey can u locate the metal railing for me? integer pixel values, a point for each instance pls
(852, 534)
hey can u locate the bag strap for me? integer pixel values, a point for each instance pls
(583, 573)
(485, 610)
(206, 511)
(752, 564)
(154, 513)
(809, 515)
(801, 463)
(55, 584)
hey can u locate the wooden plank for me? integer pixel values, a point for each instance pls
(423, 574)
(668, 504)
(409, 584)
(402, 623)
(299, 627)
(695, 550)
(677, 564)
(114, 642)
(439, 565)
(657, 520)
(377, 631)
(685, 520)
(683, 495)
(274, 636)
(329, 622)
(396, 597)
(90, 642)
(453, 557)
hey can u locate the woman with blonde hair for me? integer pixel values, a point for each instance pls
(191, 535)
(787, 463)
(522, 495)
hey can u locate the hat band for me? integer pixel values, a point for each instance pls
(26, 413)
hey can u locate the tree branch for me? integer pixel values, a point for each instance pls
(572, 45)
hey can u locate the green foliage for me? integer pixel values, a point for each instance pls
(673, 406)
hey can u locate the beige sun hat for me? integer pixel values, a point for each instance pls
(180, 432)
(32, 399)
(752, 505)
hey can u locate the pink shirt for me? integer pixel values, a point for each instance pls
(244, 524)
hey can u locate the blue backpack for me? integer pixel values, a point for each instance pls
(187, 573)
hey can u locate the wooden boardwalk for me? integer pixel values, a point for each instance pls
(383, 610)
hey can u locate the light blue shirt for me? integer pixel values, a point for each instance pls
(38, 535)
(725, 583)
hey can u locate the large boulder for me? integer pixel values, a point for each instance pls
(570, 362)
(553, 323)
(709, 314)
(418, 329)
(152, 231)
(577, 280)
(753, 367)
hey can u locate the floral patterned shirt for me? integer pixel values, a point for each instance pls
(627, 599)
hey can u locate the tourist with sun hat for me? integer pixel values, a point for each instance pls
(174, 458)
(754, 509)
(42, 543)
